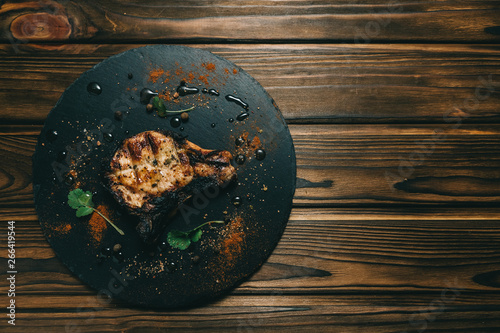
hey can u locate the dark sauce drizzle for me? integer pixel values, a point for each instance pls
(237, 100)
(184, 90)
(146, 95)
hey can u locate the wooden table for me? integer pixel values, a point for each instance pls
(394, 109)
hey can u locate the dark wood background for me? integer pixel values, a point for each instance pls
(394, 109)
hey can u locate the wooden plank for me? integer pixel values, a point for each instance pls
(389, 213)
(332, 83)
(340, 313)
(327, 251)
(390, 270)
(401, 164)
(364, 22)
(348, 165)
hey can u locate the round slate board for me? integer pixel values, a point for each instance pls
(81, 134)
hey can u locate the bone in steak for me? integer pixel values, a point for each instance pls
(153, 172)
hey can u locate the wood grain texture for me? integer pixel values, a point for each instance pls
(334, 269)
(277, 313)
(346, 165)
(396, 164)
(331, 83)
(393, 107)
(364, 22)
(328, 251)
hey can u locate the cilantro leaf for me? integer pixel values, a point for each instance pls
(86, 199)
(73, 198)
(182, 239)
(78, 198)
(82, 202)
(195, 235)
(159, 106)
(83, 211)
(179, 239)
(161, 109)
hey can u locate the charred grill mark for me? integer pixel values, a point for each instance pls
(135, 149)
(212, 157)
(137, 177)
(212, 153)
(220, 160)
(124, 152)
(153, 143)
(217, 164)
(198, 158)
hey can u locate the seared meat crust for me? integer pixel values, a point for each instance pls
(153, 172)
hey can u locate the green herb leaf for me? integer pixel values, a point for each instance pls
(157, 102)
(86, 199)
(195, 235)
(82, 202)
(78, 198)
(178, 239)
(159, 106)
(83, 211)
(73, 196)
(182, 239)
(161, 109)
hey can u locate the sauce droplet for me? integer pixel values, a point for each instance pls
(182, 128)
(127, 132)
(130, 76)
(94, 88)
(260, 154)
(69, 180)
(175, 122)
(162, 246)
(52, 135)
(62, 156)
(240, 159)
(213, 92)
(230, 120)
(118, 256)
(204, 90)
(237, 201)
(242, 116)
(184, 90)
(146, 95)
(237, 100)
(106, 251)
(108, 137)
(212, 125)
(118, 115)
(172, 266)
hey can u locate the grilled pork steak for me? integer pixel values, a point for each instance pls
(153, 172)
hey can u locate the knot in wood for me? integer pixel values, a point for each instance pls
(40, 26)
